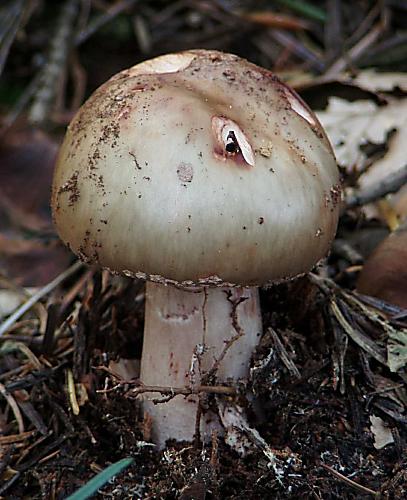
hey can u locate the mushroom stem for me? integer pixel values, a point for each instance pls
(194, 337)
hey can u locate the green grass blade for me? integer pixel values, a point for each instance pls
(92, 486)
(305, 8)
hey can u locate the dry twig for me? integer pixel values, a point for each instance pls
(38, 296)
(357, 51)
(11, 18)
(14, 406)
(103, 19)
(391, 184)
(283, 354)
(348, 481)
(59, 50)
(184, 391)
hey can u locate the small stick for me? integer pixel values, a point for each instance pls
(391, 184)
(16, 438)
(112, 373)
(360, 338)
(12, 18)
(60, 45)
(14, 406)
(72, 392)
(357, 51)
(21, 103)
(186, 391)
(344, 249)
(103, 19)
(283, 354)
(300, 50)
(48, 457)
(38, 296)
(348, 481)
(167, 390)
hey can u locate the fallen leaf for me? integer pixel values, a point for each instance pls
(10, 300)
(370, 79)
(382, 434)
(351, 125)
(397, 350)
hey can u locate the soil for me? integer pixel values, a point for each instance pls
(314, 420)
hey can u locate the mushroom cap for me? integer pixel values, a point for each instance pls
(197, 168)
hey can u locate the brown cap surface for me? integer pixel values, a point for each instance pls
(197, 167)
(384, 274)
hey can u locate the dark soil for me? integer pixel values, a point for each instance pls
(315, 421)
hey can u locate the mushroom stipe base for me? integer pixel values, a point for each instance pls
(193, 338)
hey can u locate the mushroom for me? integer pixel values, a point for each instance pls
(384, 274)
(208, 177)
